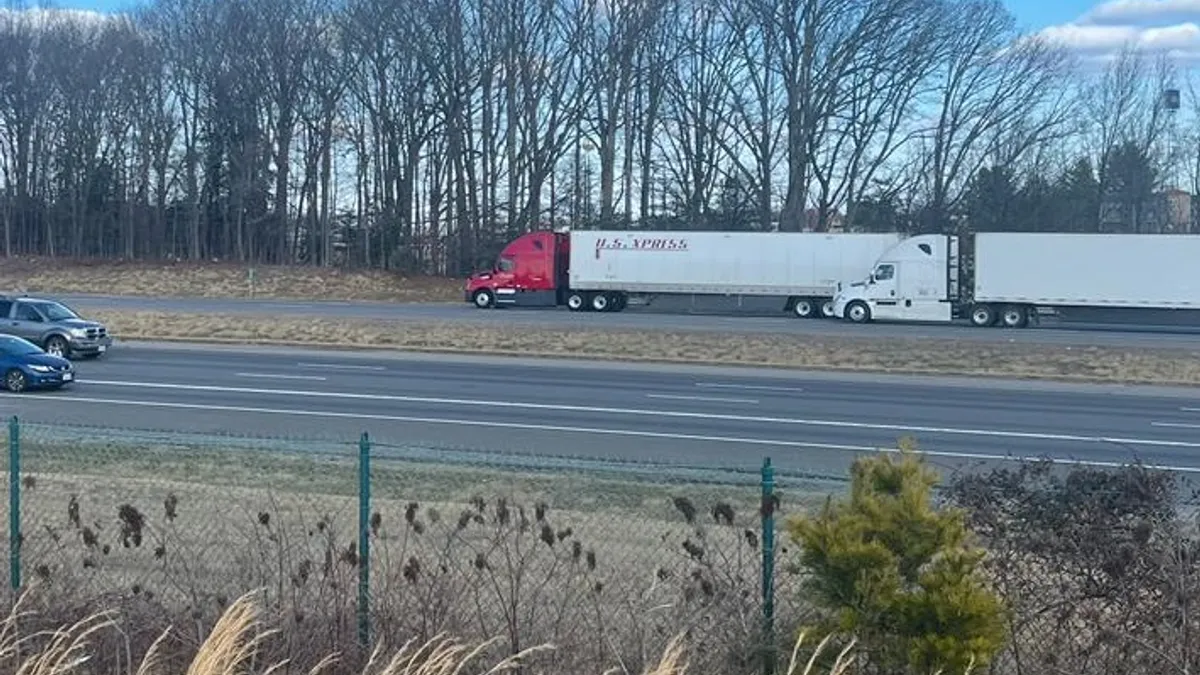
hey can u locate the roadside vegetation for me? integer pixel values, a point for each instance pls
(183, 279)
(1024, 569)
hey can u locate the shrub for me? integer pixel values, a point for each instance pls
(901, 575)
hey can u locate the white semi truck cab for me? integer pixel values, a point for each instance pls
(915, 280)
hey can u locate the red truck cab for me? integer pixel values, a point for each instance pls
(531, 271)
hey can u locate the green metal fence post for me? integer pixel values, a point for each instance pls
(14, 503)
(364, 541)
(768, 565)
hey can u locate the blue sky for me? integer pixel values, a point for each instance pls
(1035, 14)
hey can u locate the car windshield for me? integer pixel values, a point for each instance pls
(17, 347)
(54, 311)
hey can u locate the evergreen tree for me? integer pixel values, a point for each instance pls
(1080, 194)
(900, 575)
(990, 201)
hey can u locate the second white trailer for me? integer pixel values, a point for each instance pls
(803, 269)
(1088, 270)
(1017, 276)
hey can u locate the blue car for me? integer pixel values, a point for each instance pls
(28, 366)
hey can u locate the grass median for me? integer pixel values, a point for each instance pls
(221, 280)
(891, 355)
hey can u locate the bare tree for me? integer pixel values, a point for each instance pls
(874, 101)
(613, 43)
(554, 89)
(697, 110)
(755, 99)
(815, 42)
(1123, 108)
(25, 93)
(991, 81)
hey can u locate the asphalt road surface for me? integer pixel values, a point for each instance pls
(690, 416)
(1162, 331)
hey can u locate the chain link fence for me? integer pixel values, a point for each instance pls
(358, 543)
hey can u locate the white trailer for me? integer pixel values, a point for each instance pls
(801, 269)
(1016, 277)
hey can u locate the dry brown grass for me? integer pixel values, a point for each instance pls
(221, 280)
(924, 356)
(473, 553)
(234, 643)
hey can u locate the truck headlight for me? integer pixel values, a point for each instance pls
(79, 332)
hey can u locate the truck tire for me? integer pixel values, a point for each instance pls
(858, 312)
(620, 301)
(827, 308)
(484, 299)
(1014, 316)
(804, 308)
(576, 302)
(983, 315)
(601, 302)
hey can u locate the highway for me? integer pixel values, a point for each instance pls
(694, 416)
(1166, 331)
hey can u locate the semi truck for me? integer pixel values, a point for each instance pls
(600, 271)
(1012, 279)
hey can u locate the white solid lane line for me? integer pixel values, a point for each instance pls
(678, 414)
(598, 431)
(276, 376)
(749, 387)
(709, 399)
(340, 366)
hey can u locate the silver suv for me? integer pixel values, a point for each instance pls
(53, 326)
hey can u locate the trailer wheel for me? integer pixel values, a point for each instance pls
(858, 312)
(619, 302)
(983, 315)
(804, 308)
(1014, 316)
(602, 302)
(484, 299)
(576, 302)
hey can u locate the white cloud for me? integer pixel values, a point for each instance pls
(1154, 26)
(1124, 12)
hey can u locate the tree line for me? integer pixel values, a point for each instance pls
(420, 135)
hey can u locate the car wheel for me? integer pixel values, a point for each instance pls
(15, 381)
(57, 346)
